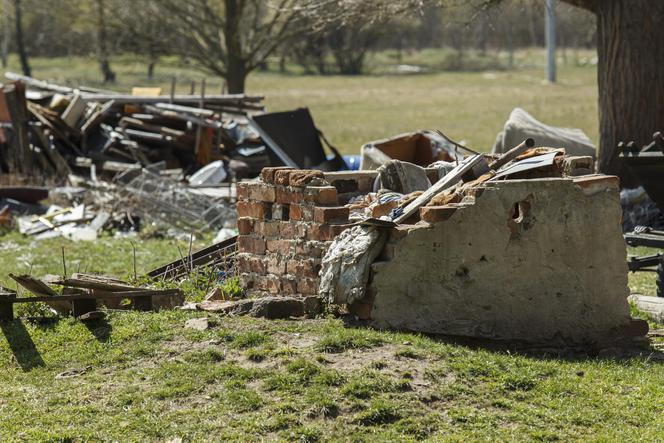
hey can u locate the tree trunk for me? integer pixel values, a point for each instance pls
(102, 51)
(630, 77)
(236, 75)
(5, 32)
(20, 44)
(151, 66)
(236, 65)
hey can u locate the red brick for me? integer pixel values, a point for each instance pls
(280, 212)
(304, 177)
(275, 264)
(287, 195)
(383, 209)
(320, 232)
(282, 177)
(256, 210)
(311, 249)
(242, 191)
(321, 195)
(283, 247)
(433, 214)
(304, 268)
(257, 265)
(292, 230)
(245, 225)
(307, 286)
(251, 244)
(273, 284)
(301, 212)
(267, 229)
(288, 285)
(261, 192)
(242, 262)
(336, 214)
(267, 174)
(269, 283)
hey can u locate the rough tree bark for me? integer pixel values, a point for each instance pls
(630, 75)
(102, 50)
(5, 32)
(236, 64)
(20, 44)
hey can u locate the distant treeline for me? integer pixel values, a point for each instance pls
(231, 38)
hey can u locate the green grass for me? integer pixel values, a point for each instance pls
(351, 111)
(144, 377)
(151, 379)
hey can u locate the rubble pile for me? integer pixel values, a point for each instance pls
(494, 246)
(52, 131)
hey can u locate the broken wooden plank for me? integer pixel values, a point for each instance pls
(96, 118)
(86, 281)
(96, 295)
(74, 110)
(33, 285)
(450, 179)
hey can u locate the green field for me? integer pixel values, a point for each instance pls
(144, 377)
(351, 111)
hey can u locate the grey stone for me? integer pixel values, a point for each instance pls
(277, 307)
(199, 324)
(267, 307)
(312, 305)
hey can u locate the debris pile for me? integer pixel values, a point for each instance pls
(53, 131)
(80, 295)
(486, 246)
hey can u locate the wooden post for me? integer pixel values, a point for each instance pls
(6, 307)
(83, 306)
(143, 303)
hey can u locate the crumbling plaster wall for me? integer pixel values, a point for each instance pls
(553, 270)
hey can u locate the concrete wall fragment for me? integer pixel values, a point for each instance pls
(535, 260)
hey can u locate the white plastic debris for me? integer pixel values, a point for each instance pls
(209, 175)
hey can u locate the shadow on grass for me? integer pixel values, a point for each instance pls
(618, 350)
(100, 328)
(21, 344)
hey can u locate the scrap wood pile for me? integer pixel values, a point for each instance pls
(81, 295)
(52, 131)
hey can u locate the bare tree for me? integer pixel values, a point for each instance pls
(350, 43)
(20, 44)
(229, 38)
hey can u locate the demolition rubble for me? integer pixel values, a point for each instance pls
(504, 248)
(524, 244)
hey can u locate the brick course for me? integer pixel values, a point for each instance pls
(286, 222)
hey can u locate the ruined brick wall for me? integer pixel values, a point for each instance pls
(286, 222)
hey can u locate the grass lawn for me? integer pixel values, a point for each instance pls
(351, 111)
(144, 377)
